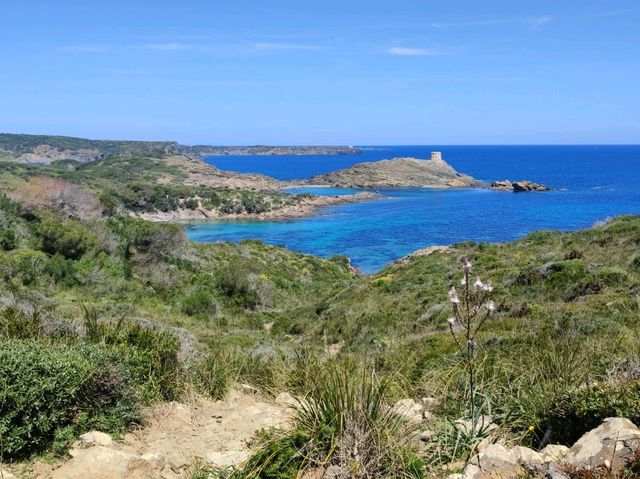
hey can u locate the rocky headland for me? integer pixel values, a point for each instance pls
(399, 173)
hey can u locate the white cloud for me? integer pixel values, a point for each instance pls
(418, 52)
(532, 22)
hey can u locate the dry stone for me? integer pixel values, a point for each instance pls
(616, 440)
(554, 452)
(6, 475)
(494, 463)
(101, 462)
(409, 409)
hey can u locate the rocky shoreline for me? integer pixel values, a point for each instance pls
(306, 206)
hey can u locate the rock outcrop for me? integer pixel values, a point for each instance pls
(398, 173)
(613, 444)
(518, 186)
(608, 449)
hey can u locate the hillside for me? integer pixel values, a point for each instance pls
(135, 298)
(45, 149)
(397, 173)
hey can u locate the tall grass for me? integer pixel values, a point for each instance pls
(346, 422)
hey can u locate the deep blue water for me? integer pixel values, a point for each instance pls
(595, 182)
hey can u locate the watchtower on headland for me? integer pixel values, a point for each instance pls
(436, 156)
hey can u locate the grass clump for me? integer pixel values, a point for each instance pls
(346, 423)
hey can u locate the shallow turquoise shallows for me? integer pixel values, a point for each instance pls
(594, 182)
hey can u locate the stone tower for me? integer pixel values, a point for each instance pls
(436, 156)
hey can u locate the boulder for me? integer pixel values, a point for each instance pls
(518, 186)
(483, 423)
(527, 457)
(430, 403)
(100, 462)
(554, 452)
(494, 463)
(93, 438)
(613, 445)
(409, 409)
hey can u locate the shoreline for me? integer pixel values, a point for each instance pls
(306, 207)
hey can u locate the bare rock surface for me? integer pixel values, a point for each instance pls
(518, 186)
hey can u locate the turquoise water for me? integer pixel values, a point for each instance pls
(595, 182)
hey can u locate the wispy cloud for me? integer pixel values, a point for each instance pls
(532, 22)
(170, 46)
(285, 46)
(418, 52)
(615, 13)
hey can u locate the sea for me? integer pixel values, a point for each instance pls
(592, 183)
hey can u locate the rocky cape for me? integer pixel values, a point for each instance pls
(398, 173)
(412, 173)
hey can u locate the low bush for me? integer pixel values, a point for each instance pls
(49, 390)
(71, 239)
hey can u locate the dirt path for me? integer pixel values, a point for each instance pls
(175, 435)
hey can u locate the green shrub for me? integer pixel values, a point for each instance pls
(201, 302)
(71, 239)
(48, 388)
(581, 410)
(8, 240)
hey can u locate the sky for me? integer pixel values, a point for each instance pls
(361, 72)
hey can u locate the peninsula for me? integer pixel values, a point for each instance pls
(45, 149)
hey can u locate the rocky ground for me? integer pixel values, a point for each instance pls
(176, 436)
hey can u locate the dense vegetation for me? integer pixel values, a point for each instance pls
(21, 143)
(13, 145)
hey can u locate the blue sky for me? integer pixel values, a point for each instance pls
(323, 72)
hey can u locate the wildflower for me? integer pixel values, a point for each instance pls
(466, 264)
(491, 306)
(451, 321)
(531, 428)
(453, 296)
(478, 284)
(487, 287)
(463, 281)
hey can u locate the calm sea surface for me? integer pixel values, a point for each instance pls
(594, 181)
